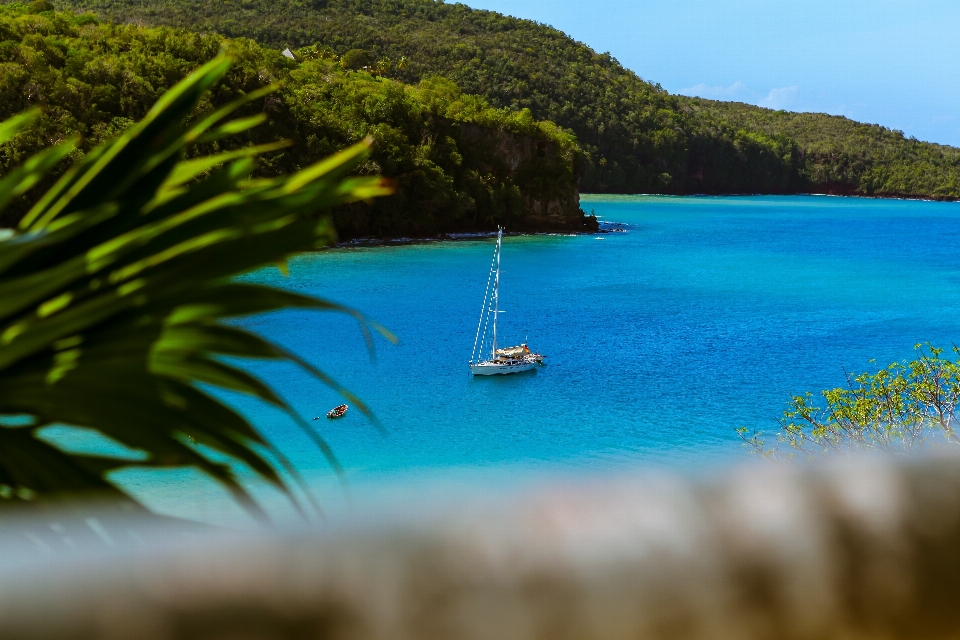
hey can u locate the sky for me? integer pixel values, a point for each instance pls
(895, 63)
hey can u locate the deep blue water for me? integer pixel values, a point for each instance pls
(704, 316)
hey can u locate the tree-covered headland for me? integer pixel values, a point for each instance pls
(639, 138)
(457, 163)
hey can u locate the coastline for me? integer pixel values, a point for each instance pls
(885, 196)
(604, 227)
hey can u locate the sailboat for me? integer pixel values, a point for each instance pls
(502, 360)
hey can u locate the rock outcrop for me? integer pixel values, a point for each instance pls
(507, 179)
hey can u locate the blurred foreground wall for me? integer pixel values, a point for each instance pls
(867, 549)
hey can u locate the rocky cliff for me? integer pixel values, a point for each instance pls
(502, 178)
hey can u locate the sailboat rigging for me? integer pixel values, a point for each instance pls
(501, 361)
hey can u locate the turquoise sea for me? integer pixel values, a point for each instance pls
(705, 314)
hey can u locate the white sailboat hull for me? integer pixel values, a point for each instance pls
(499, 369)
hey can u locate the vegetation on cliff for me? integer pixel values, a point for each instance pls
(457, 162)
(639, 138)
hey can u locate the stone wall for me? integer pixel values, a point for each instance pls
(865, 549)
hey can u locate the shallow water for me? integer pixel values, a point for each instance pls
(704, 316)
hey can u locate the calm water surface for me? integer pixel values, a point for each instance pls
(705, 315)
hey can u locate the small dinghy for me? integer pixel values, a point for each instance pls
(337, 412)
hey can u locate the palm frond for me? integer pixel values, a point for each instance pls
(114, 289)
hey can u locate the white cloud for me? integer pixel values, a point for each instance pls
(737, 91)
(780, 98)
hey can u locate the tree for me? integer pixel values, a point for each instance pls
(114, 285)
(356, 59)
(898, 409)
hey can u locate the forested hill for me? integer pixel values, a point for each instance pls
(639, 138)
(458, 163)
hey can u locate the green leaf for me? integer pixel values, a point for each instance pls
(114, 291)
(26, 176)
(12, 126)
(190, 169)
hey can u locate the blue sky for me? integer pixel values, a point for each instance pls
(892, 63)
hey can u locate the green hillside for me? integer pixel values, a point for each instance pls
(639, 138)
(458, 163)
(847, 157)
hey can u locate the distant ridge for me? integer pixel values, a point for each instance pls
(639, 137)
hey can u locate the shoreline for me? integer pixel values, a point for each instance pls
(605, 227)
(780, 195)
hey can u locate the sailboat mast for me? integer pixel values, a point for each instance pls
(496, 294)
(484, 315)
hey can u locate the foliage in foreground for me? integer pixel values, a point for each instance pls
(641, 139)
(448, 152)
(113, 287)
(898, 409)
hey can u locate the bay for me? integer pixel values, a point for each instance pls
(703, 315)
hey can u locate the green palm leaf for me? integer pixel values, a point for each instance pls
(114, 288)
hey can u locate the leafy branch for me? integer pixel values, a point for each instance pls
(114, 286)
(898, 409)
